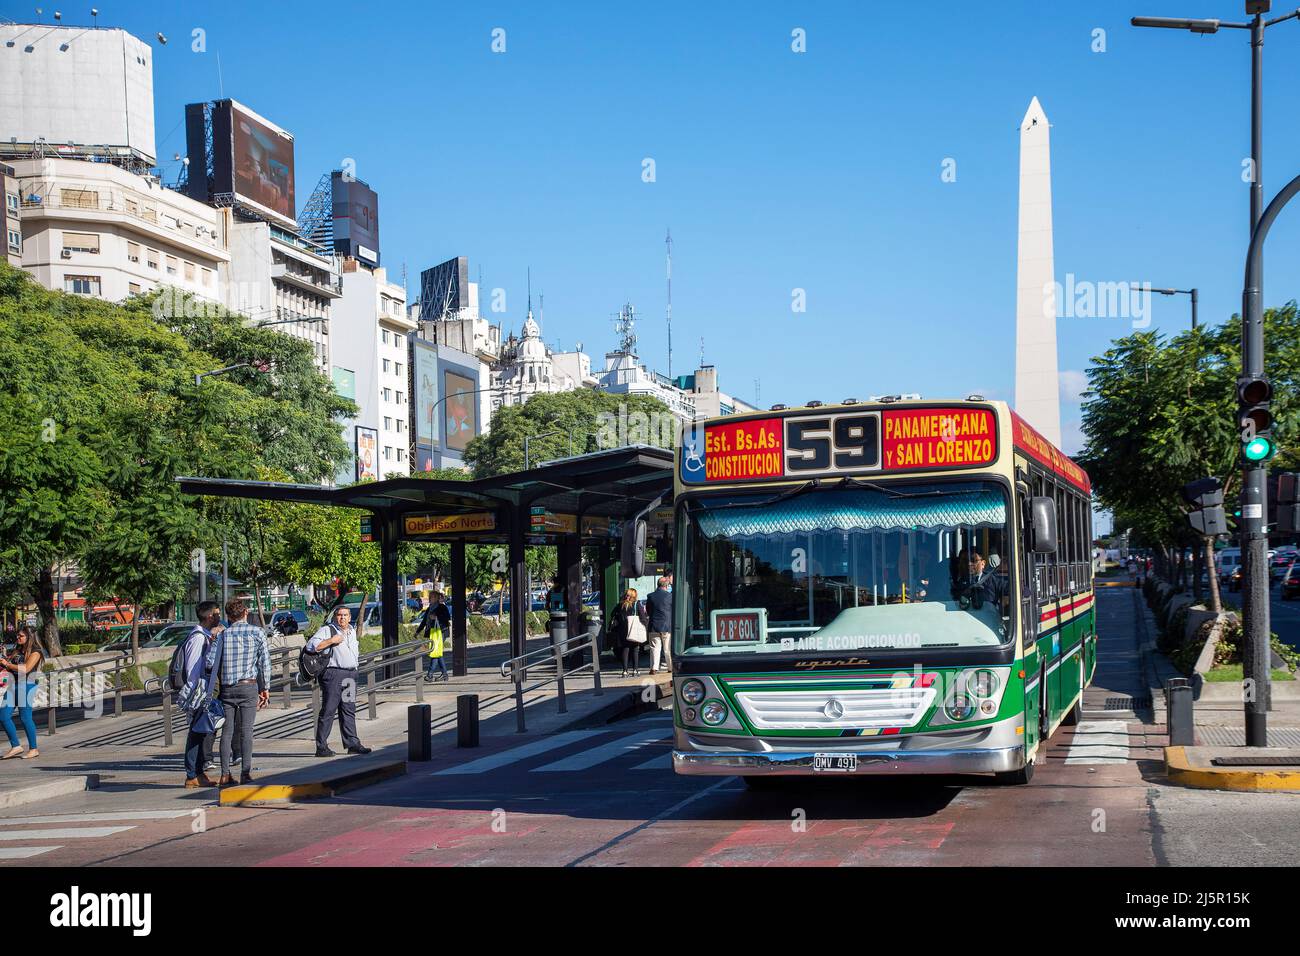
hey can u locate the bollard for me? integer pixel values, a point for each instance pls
(286, 700)
(466, 720)
(167, 717)
(117, 693)
(595, 665)
(372, 710)
(559, 646)
(419, 681)
(419, 736)
(1178, 712)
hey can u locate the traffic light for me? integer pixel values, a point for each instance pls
(1255, 416)
(1288, 508)
(1205, 495)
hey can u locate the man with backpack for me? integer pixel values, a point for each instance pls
(338, 682)
(196, 676)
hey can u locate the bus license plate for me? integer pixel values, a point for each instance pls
(835, 763)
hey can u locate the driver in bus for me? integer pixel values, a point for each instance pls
(985, 576)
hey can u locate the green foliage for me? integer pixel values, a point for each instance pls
(596, 420)
(1161, 412)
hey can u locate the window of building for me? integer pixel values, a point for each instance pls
(132, 251)
(388, 452)
(132, 207)
(11, 200)
(397, 367)
(388, 394)
(385, 365)
(388, 423)
(399, 424)
(81, 241)
(401, 454)
(81, 285)
(400, 397)
(79, 198)
(173, 265)
(15, 241)
(385, 336)
(151, 258)
(207, 277)
(189, 272)
(133, 288)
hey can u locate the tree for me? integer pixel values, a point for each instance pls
(596, 421)
(1161, 413)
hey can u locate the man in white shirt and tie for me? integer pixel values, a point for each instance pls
(338, 682)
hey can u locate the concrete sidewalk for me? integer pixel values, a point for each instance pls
(123, 762)
(1219, 728)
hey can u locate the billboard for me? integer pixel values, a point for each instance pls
(444, 289)
(356, 218)
(367, 453)
(460, 410)
(263, 163)
(424, 391)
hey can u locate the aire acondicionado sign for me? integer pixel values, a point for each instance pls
(839, 442)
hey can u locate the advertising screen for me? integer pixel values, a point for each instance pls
(367, 453)
(356, 218)
(263, 163)
(460, 415)
(424, 365)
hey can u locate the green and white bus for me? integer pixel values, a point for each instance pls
(895, 587)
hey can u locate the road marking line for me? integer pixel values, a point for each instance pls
(62, 833)
(1099, 742)
(662, 762)
(24, 852)
(586, 759)
(662, 815)
(493, 762)
(92, 815)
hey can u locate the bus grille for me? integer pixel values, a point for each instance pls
(808, 710)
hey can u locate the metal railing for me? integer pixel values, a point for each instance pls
(516, 669)
(67, 685)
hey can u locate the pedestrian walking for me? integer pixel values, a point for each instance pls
(200, 663)
(659, 609)
(245, 688)
(338, 683)
(435, 623)
(21, 667)
(627, 631)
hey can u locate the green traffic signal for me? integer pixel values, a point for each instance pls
(1259, 448)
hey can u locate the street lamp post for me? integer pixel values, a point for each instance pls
(1254, 492)
(1192, 292)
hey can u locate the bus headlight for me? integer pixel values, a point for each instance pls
(692, 692)
(983, 684)
(713, 712)
(959, 707)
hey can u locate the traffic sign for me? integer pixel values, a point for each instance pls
(198, 561)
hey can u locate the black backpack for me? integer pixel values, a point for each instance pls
(176, 669)
(311, 664)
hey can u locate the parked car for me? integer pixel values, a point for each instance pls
(1290, 581)
(148, 631)
(289, 621)
(171, 635)
(489, 607)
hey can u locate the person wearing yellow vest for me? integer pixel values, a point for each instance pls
(436, 623)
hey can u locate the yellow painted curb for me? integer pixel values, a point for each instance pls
(1214, 778)
(257, 794)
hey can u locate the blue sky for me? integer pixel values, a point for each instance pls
(775, 170)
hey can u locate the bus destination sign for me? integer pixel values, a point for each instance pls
(839, 443)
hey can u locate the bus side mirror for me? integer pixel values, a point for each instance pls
(632, 552)
(1043, 525)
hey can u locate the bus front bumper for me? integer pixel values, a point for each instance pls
(800, 763)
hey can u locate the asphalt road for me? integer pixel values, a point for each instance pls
(608, 797)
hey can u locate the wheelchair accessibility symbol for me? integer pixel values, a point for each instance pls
(693, 456)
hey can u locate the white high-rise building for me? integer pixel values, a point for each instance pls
(94, 228)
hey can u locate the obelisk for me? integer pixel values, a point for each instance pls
(1038, 396)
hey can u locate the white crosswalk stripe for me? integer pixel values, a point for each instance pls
(61, 833)
(586, 759)
(522, 752)
(25, 852)
(1099, 742)
(34, 828)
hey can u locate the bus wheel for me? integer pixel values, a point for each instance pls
(1016, 778)
(1074, 714)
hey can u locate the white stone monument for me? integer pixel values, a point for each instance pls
(1038, 395)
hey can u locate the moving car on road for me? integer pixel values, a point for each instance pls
(1290, 586)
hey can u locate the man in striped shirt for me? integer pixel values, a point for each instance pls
(245, 687)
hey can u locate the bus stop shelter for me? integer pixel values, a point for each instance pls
(566, 503)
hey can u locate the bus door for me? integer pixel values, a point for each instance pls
(1033, 586)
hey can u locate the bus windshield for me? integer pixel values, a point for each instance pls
(852, 568)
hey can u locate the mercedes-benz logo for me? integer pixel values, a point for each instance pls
(833, 709)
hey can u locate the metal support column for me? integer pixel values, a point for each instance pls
(459, 616)
(390, 596)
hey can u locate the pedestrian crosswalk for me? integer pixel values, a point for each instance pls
(53, 831)
(629, 739)
(1099, 742)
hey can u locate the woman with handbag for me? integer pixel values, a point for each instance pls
(21, 667)
(436, 623)
(627, 629)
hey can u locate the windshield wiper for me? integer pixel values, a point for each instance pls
(894, 492)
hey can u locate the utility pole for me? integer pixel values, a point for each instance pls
(668, 241)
